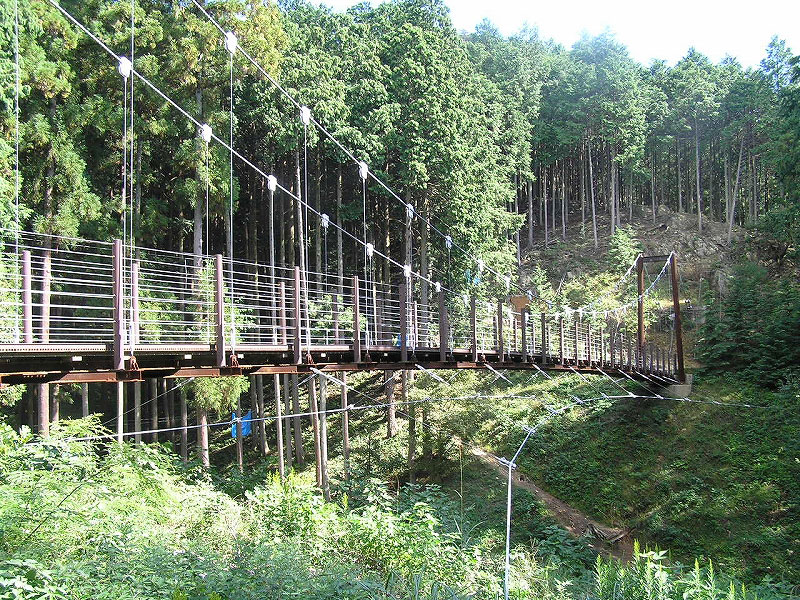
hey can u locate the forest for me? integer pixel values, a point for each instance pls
(555, 166)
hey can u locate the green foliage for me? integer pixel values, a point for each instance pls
(623, 248)
(218, 394)
(753, 329)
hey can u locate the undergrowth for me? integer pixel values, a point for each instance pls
(81, 520)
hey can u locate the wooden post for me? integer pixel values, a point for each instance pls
(500, 348)
(298, 320)
(640, 303)
(27, 298)
(444, 336)
(345, 427)
(473, 324)
(220, 310)
(119, 328)
(279, 426)
(356, 323)
(544, 339)
(561, 340)
(678, 325)
(403, 289)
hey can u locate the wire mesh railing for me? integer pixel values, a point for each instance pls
(64, 291)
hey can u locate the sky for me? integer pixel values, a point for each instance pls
(650, 31)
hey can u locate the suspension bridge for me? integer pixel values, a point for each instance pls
(77, 310)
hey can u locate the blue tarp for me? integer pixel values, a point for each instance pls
(247, 424)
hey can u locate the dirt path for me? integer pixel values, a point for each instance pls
(607, 540)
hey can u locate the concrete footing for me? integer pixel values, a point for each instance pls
(681, 390)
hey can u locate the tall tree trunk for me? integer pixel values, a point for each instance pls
(287, 424)
(591, 193)
(412, 428)
(199, 205)
(323, 436)
(239, 435)
(732, 209)
(697, 171)
(184, 426)
(530, 214)
(298, 431)
(202, 433)
(84, 400)
(313, 406)
(680, 184)
(345, 427)
(391, 416)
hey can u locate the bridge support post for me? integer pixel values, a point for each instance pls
(561, 340)
(220, 310)
(298, 320)
(119, 354)
(473, 328)
(444, 335)
(403, 290)
(590, 354)
(640, 304)
(356, 323)
(676, 307)
(27, 298)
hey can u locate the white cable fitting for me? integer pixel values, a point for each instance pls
(466, 300)
(370, 250)
(407, 271)
(409, 210)
(448, 242)
(206, 132)
(231, 42)
(481, 264)
(363, 170)
(124, 66)
(326, 220)
(507, 279)
(272, 183)
(437, 286)
(305, 115)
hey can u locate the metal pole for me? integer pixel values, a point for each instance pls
(473, 328)
(403, 323)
